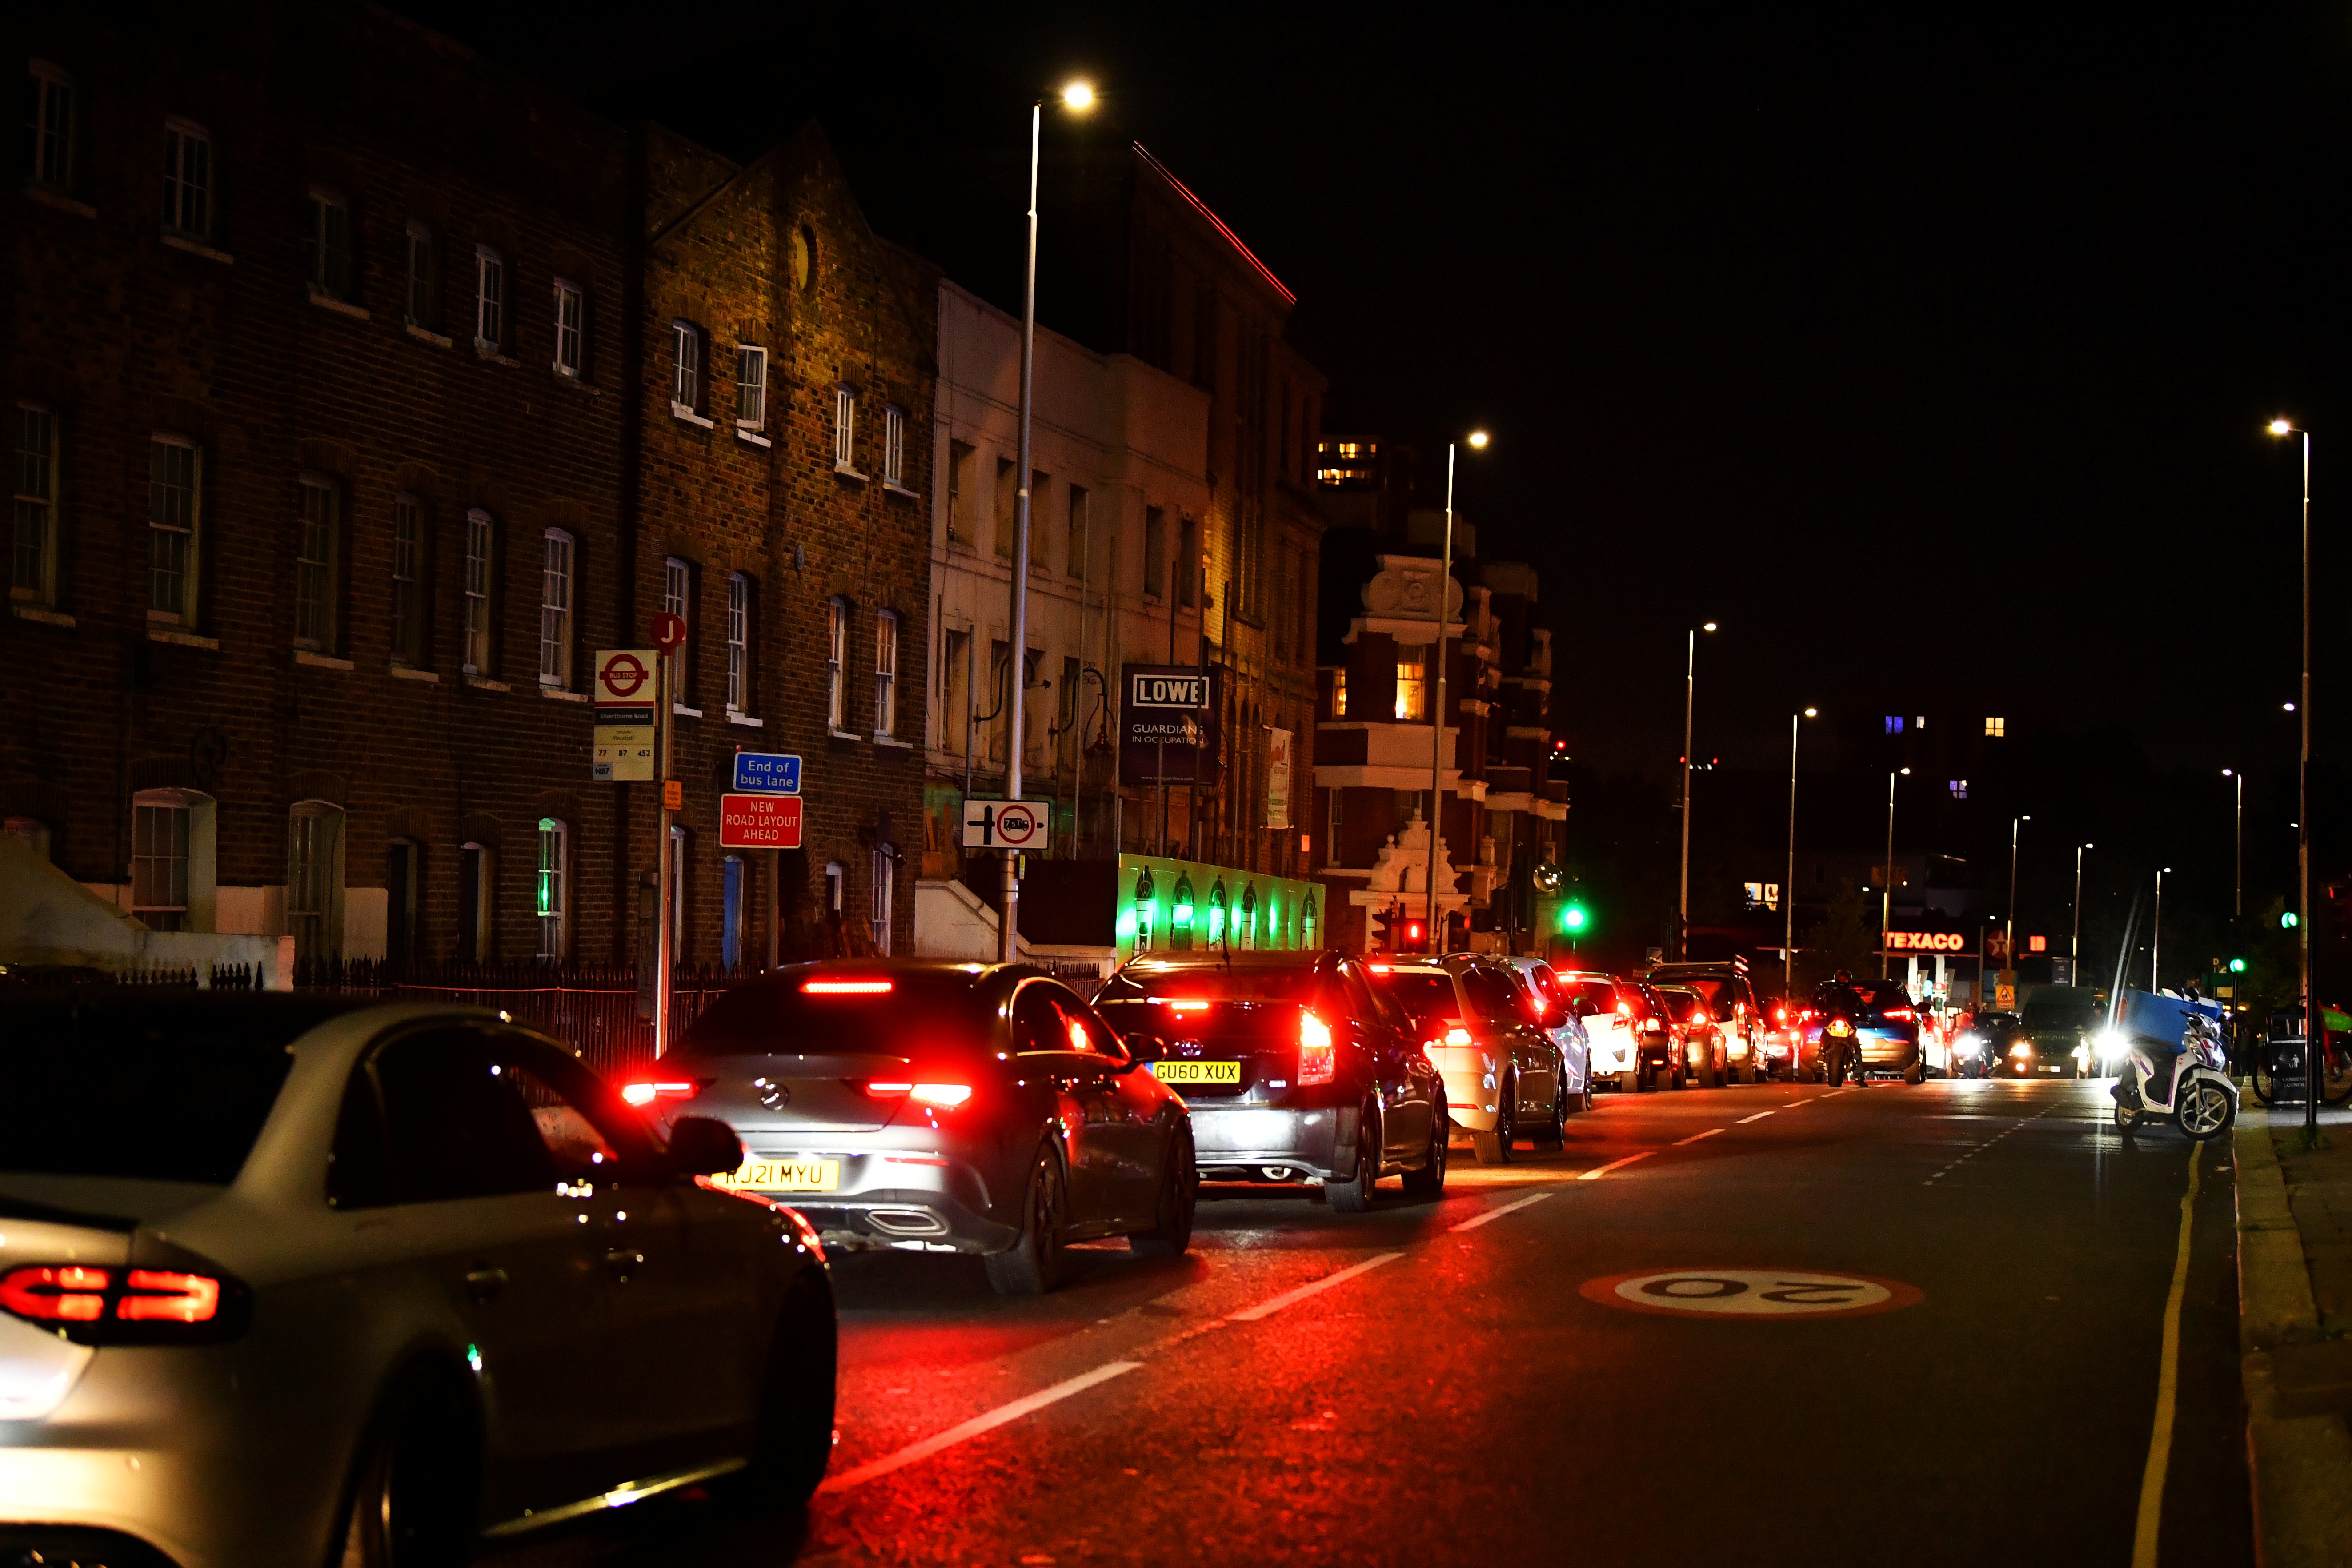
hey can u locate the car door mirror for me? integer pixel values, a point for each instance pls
(703, 1146)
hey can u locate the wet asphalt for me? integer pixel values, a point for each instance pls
(1461, 1398)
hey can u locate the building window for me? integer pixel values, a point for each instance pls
(331, 244)
(1007, 494)
(1959, 789)
(477, 881)
(1894, 723)
(187, 178)
(1996, 729)
(554, 844)
(51, 124)
(1413, 683)
(1188, 560)
(1041, 485)
(481, 538)
(1331, 828)
(555, 612)
(407, 580)
(159, 865)
(955, 692)
(879, 913)
(32, 572)
(489, 299)
(836, 646)
(314, 854)
(738, 643)
(1155, 553)
(314, 563)
(886, 672)
(1074, 564)
(678, 599)
(423, 276)
(959, 459)
(751, 387)
(732, 885)
(1338, 694)
(686, 369)
(174, 528)
(570, 329)
(894, 446)
(844, 429)
(679, 883)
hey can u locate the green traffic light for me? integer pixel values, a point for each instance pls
(1572, 917)
(2237, 966)
(2289, 921)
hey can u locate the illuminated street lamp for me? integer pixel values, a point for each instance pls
(2075, 942)
(1789, 888)
(1886, 891)
(1690, 698)
(1476, 441)
(2156, 939)
(2281, 426)
(2009, 929)
(1078, 96)
(2239, 905)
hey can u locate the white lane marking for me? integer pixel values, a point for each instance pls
(976, 1425)
(1313, 1288)
(1475, 1221)
(1696, 1136)
(2167, 1384)
(1745, 1119)
(1614, 1164)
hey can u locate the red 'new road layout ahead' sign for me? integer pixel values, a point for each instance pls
(759, 822)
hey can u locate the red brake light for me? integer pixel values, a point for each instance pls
(1624, 1009)
(645, 1091)
(1182, 1004)
(153, 1296)
(1318, 1059)
(845, 987)
(1899, 1013)
(70, 1293)
(946, 1096)
(65, 1295)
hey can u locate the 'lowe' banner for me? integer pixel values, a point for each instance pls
(1167, 712)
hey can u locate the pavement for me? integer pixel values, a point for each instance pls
(1956, 1323)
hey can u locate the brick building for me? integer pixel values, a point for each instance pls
(341, 366)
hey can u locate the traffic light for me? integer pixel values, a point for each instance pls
(1573, 919)
(1416, 936)
(2237, 966)
(2289, 921)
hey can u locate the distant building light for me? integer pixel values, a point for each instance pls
(1894, 723)
(1996, 729)
(1959, 789)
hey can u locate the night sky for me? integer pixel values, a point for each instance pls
(1909, 345)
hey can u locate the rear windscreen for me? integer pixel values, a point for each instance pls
(2061, 1015)
(1212, 982)
(779, 1017)
(1423, 997)
(169, 1088)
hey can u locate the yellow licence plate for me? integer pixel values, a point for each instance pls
(1197, 1072)
(784, 1177)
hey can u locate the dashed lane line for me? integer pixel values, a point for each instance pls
(1987, 1145)
(1595, 1175)
(1475, 1221)
(1745, 1119)
(1696, 1136)
(1313, 1288)
(980, 1423)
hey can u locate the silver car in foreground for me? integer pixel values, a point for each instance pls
(288, 1281)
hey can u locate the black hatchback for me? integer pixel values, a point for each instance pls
(1293, 1067)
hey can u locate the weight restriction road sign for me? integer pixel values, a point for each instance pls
(1003, 825)
(760, 821)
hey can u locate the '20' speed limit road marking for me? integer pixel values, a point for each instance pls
(1751, 1293)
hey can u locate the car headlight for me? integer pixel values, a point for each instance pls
(2020, 1050)
(1972, 1040)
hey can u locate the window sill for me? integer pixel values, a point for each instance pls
(340, 307)
(319, 660)
(683, 711)
(681, 412)
(892, 487)
(35, 192)
(179, 639)
(427, 335)
(490, 352)
(746, 720)
(753, 437)
(844, 471)
(844, 735)
(894, 745)
(571, 378)
(198, 247)
(484, 683)
(36, 613)
(402, 672)
(557, 694)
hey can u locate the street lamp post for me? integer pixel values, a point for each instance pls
(2311, 1034)
(1078, 96)
(1477, 441)
(2075, 942)
(1886, 891)
(2155, 936)
(1690, 696)
(2009, 928)
(2238, 904)
(1789, 888)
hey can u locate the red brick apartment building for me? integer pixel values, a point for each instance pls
(360, 390)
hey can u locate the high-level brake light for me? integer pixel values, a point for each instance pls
(845, 987)
(1318, 1060)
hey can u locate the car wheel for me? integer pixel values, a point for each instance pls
(1554, 1134)
(1429, 1180)
(413, 1504)
(1668, 1078)
(1584, 1099)
(1355, 1195)
(1032, 1265)
(1170, 1235)
(1916, 1074)
(794, 1440)
(1495, 1148)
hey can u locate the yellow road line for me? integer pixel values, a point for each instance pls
(2167, 1389)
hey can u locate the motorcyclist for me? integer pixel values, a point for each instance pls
(1839, 999)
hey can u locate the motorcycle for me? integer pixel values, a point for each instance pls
(2199, 1097)
(1841, 1051)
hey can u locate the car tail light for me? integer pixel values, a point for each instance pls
(1182, 1004)
(127, 1306)
(1457, 1037)
(845, 987)
(644, 1090)
(1318, 1059)
(1624, 1009)
(946, 1096)
(1903, 1013)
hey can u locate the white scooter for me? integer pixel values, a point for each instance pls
(2199, 1097)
